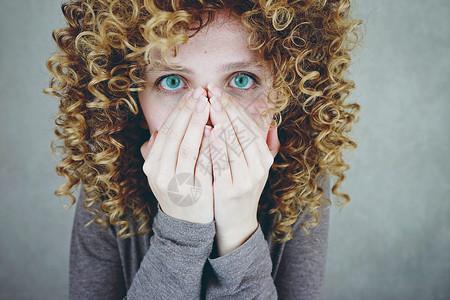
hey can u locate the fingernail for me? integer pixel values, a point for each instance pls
(218, 129)
(216, 103)
(215, 90)
(201, 104)
(207, 130)
(197, 93)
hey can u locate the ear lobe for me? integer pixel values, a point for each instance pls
(145, 148)
(272, 141)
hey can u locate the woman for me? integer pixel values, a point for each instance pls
(203, 134)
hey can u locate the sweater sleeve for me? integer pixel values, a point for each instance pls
(173, 265)
(172, 268)
(244, 273)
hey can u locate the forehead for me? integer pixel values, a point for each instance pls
(218, 49)
(224, 28)
(225, 39)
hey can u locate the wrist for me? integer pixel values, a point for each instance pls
(230, 239)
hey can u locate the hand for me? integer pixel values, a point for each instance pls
(241, 161)
(183, 191)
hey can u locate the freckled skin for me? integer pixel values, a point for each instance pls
(222, 42)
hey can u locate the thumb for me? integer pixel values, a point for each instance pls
(272, 141)
(145, 148)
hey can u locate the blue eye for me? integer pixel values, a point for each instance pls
(171, 83)
(242, 81)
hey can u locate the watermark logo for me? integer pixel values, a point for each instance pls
(238, 129)
(181, 190)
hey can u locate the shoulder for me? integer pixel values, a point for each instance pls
(324, 183)
(84, 229)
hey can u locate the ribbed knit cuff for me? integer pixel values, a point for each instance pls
(234, 265)
(183, 237)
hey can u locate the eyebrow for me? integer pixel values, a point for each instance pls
(241, 65)
(224, 68)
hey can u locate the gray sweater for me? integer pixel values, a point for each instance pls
(176, 261)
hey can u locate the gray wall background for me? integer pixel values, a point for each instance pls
(391, 242)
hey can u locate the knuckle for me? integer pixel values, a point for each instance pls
(270, 159)
(242, 189)
(172, 135)
(146, 168)
(190, 103)
(164, 128)
(185, 151)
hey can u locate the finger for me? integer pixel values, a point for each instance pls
(219, 158)
(158, 145)
(237, 158)
(146, 147)
(203, 168)
(189, 149)
(238, 164)
(177, 131)
(254, 140)
(240, 125)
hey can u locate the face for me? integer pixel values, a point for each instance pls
(218, 54)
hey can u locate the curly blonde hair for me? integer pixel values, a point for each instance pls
(96, 76)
